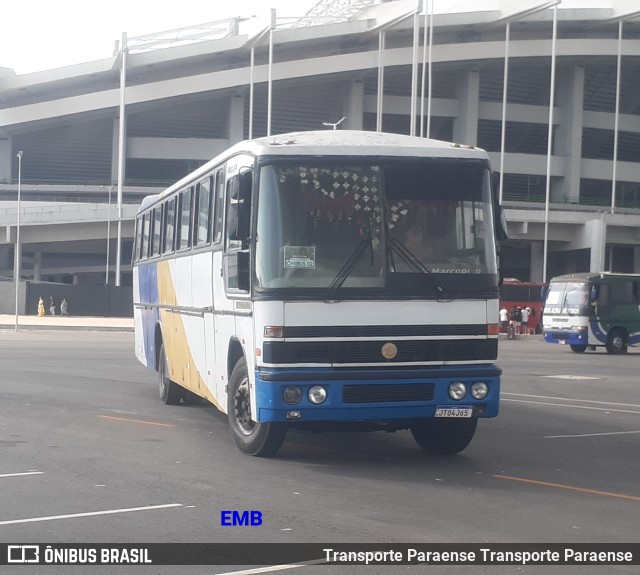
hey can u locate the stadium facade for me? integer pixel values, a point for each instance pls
(120, 128)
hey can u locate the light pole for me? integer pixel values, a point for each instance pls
(17, 250)
(106, 272)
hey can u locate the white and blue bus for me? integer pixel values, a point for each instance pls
(326, 280)
(593, 309)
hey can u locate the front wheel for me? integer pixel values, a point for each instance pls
(444, 436)
(617, 342)
(251, 437)
(578, 348)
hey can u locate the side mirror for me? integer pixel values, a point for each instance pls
(500, 219)
(239, 208)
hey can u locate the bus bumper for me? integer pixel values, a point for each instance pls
(373, 395)
(567, 337)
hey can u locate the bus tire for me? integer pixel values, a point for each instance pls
(617, 342)
(258, 439)
(444, 436)
(578, 348)
(170, 392)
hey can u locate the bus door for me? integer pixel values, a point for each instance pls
(231, 300)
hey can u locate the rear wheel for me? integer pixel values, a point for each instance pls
(617, 342)
(444, 436)
(578, 348)
(170, 392)
(259, 439)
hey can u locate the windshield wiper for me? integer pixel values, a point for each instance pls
(349, 265)
(409, 258)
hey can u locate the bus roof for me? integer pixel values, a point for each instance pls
(333, 143)
(590, 276)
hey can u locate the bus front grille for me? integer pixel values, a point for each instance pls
(353, 352)
(378, 393)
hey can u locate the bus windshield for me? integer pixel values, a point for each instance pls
(373, 225)
(568, 298)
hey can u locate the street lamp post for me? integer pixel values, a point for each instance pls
(17, 249)
(106, 271)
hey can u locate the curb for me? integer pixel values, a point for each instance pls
(28, 327)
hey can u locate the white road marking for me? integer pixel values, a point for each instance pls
(576, 377)
(22, 474)
(591, 434)
(90, 514)
(574, 406)
(272, 568)
(571, 399)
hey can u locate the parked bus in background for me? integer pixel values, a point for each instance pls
(326, 280)
(514, 293)
(593, 309)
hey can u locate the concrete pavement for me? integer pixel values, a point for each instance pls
(30, 322)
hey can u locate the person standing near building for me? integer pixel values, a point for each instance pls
(52, 306)
(64, 307)
(525, 321)
(504, 319)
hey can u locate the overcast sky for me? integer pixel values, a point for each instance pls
(43, 34)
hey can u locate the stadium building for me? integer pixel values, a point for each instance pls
(84, 143)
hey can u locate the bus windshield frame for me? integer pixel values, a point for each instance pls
(371, 227)
(568, 298)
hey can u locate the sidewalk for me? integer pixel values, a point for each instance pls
(29, 322)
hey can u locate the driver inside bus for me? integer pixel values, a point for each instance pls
(416, 242)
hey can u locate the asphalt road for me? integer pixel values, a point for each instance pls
(89, 454)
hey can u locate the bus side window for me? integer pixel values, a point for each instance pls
(146, 224)
(184, 220)
(138, 240)
(603, 295)
(202, 226)
(219, 207)
(157, 229)
(170, 226)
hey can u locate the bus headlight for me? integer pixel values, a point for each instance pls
(292, 394)
(317, 394)
(479, 389)
(457, 390)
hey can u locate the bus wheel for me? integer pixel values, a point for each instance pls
(578, 348)
(170, 392)
(259, 439)
(617, 342)
(444, 436)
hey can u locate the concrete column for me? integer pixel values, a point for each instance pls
(535, 271)
(114, 150)
(37, 267)
(354, 106)
(5, 160)
(568, 137)
(597, 230)
(236, 119)
(636, 259)
(465, 126)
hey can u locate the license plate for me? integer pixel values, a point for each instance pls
(454, 411)
(562, 342)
